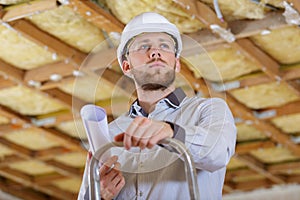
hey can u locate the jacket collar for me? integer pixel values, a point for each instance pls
(173, 99)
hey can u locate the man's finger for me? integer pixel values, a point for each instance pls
(119, 137)
(108, 165)
(130, 132)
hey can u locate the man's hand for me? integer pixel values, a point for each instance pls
(145, 133)
(111, 179)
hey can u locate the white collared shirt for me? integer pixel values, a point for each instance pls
(206, 127)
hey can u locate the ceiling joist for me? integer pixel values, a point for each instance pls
(53, 44)
(26, 9)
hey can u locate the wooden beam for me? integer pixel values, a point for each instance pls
(46, 178)
(253, 184)
(27, 154)
(247, 28)
(1, 11)
(244, 148)
(123, 82)
(67, 195)
(5, 83)
(291, 73)
(55, 84)
(231, 174)
(44, 73)
(96, 15)
(295, 86)
(21, 191)
(295, 4)
(286, 75)
(227, 188)
(42, 38)
(67, 141)
(259, 168)
(241, 29)
(265, 62)
(62, 168)
(198, 85)
(100, 60)
(287, 109)
(9, 159)
(11, 72)
(21, 149)
(293, 179)
(201, 11)
(26, 9)
(52, 119)
(19, 121)
(241, 111)
(277, 168)
(72, 102)
(24, 179)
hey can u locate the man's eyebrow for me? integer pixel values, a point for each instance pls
(143, 40)
(160, 39)
(166, 39)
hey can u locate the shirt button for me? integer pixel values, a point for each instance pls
(141, 193)
(141, 165)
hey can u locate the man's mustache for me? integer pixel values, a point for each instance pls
(155, 60)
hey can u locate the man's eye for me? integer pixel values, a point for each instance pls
(164, 46)
(144, 47)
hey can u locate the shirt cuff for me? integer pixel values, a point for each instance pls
(179, 132)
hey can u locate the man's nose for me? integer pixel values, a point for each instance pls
(155, 53)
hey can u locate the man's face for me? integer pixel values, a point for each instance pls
(151, 61)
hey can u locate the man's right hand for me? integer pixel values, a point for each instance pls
(111, 178)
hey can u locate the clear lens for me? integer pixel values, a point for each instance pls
(145, 47)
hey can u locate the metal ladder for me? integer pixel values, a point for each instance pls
(94, 178)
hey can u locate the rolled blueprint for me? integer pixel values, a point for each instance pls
(95, 124)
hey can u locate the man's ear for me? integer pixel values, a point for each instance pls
(177, 65)
(125, 67)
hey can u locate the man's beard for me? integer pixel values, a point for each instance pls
(154, 81)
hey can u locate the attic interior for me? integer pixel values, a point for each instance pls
(58, 55)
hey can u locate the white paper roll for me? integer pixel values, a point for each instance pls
(95, 124)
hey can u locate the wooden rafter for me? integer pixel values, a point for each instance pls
(277, 168)
(11, 72)
(295, 4)
(26, 9)
(22, 191)
(26, 154)
(249, 146)
(45, 72)
(5, 83)
(71, 101)
(241, 29)
(265, 62)
(20, 121)
(201, 11)
(247, 28)
(276, 135)
(287, 109)
(253, 184)
(42, 38)
(259, 167)
(96, 15)
(25, 180)
(261, 78)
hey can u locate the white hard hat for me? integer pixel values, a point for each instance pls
(148, 22)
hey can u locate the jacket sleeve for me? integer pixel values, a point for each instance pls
(210, 135)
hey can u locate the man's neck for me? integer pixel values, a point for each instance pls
(148, 99)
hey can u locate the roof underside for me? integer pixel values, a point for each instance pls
(56, 56)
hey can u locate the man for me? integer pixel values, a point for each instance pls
(149, 53)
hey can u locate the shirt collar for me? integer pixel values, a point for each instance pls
(174, 99)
